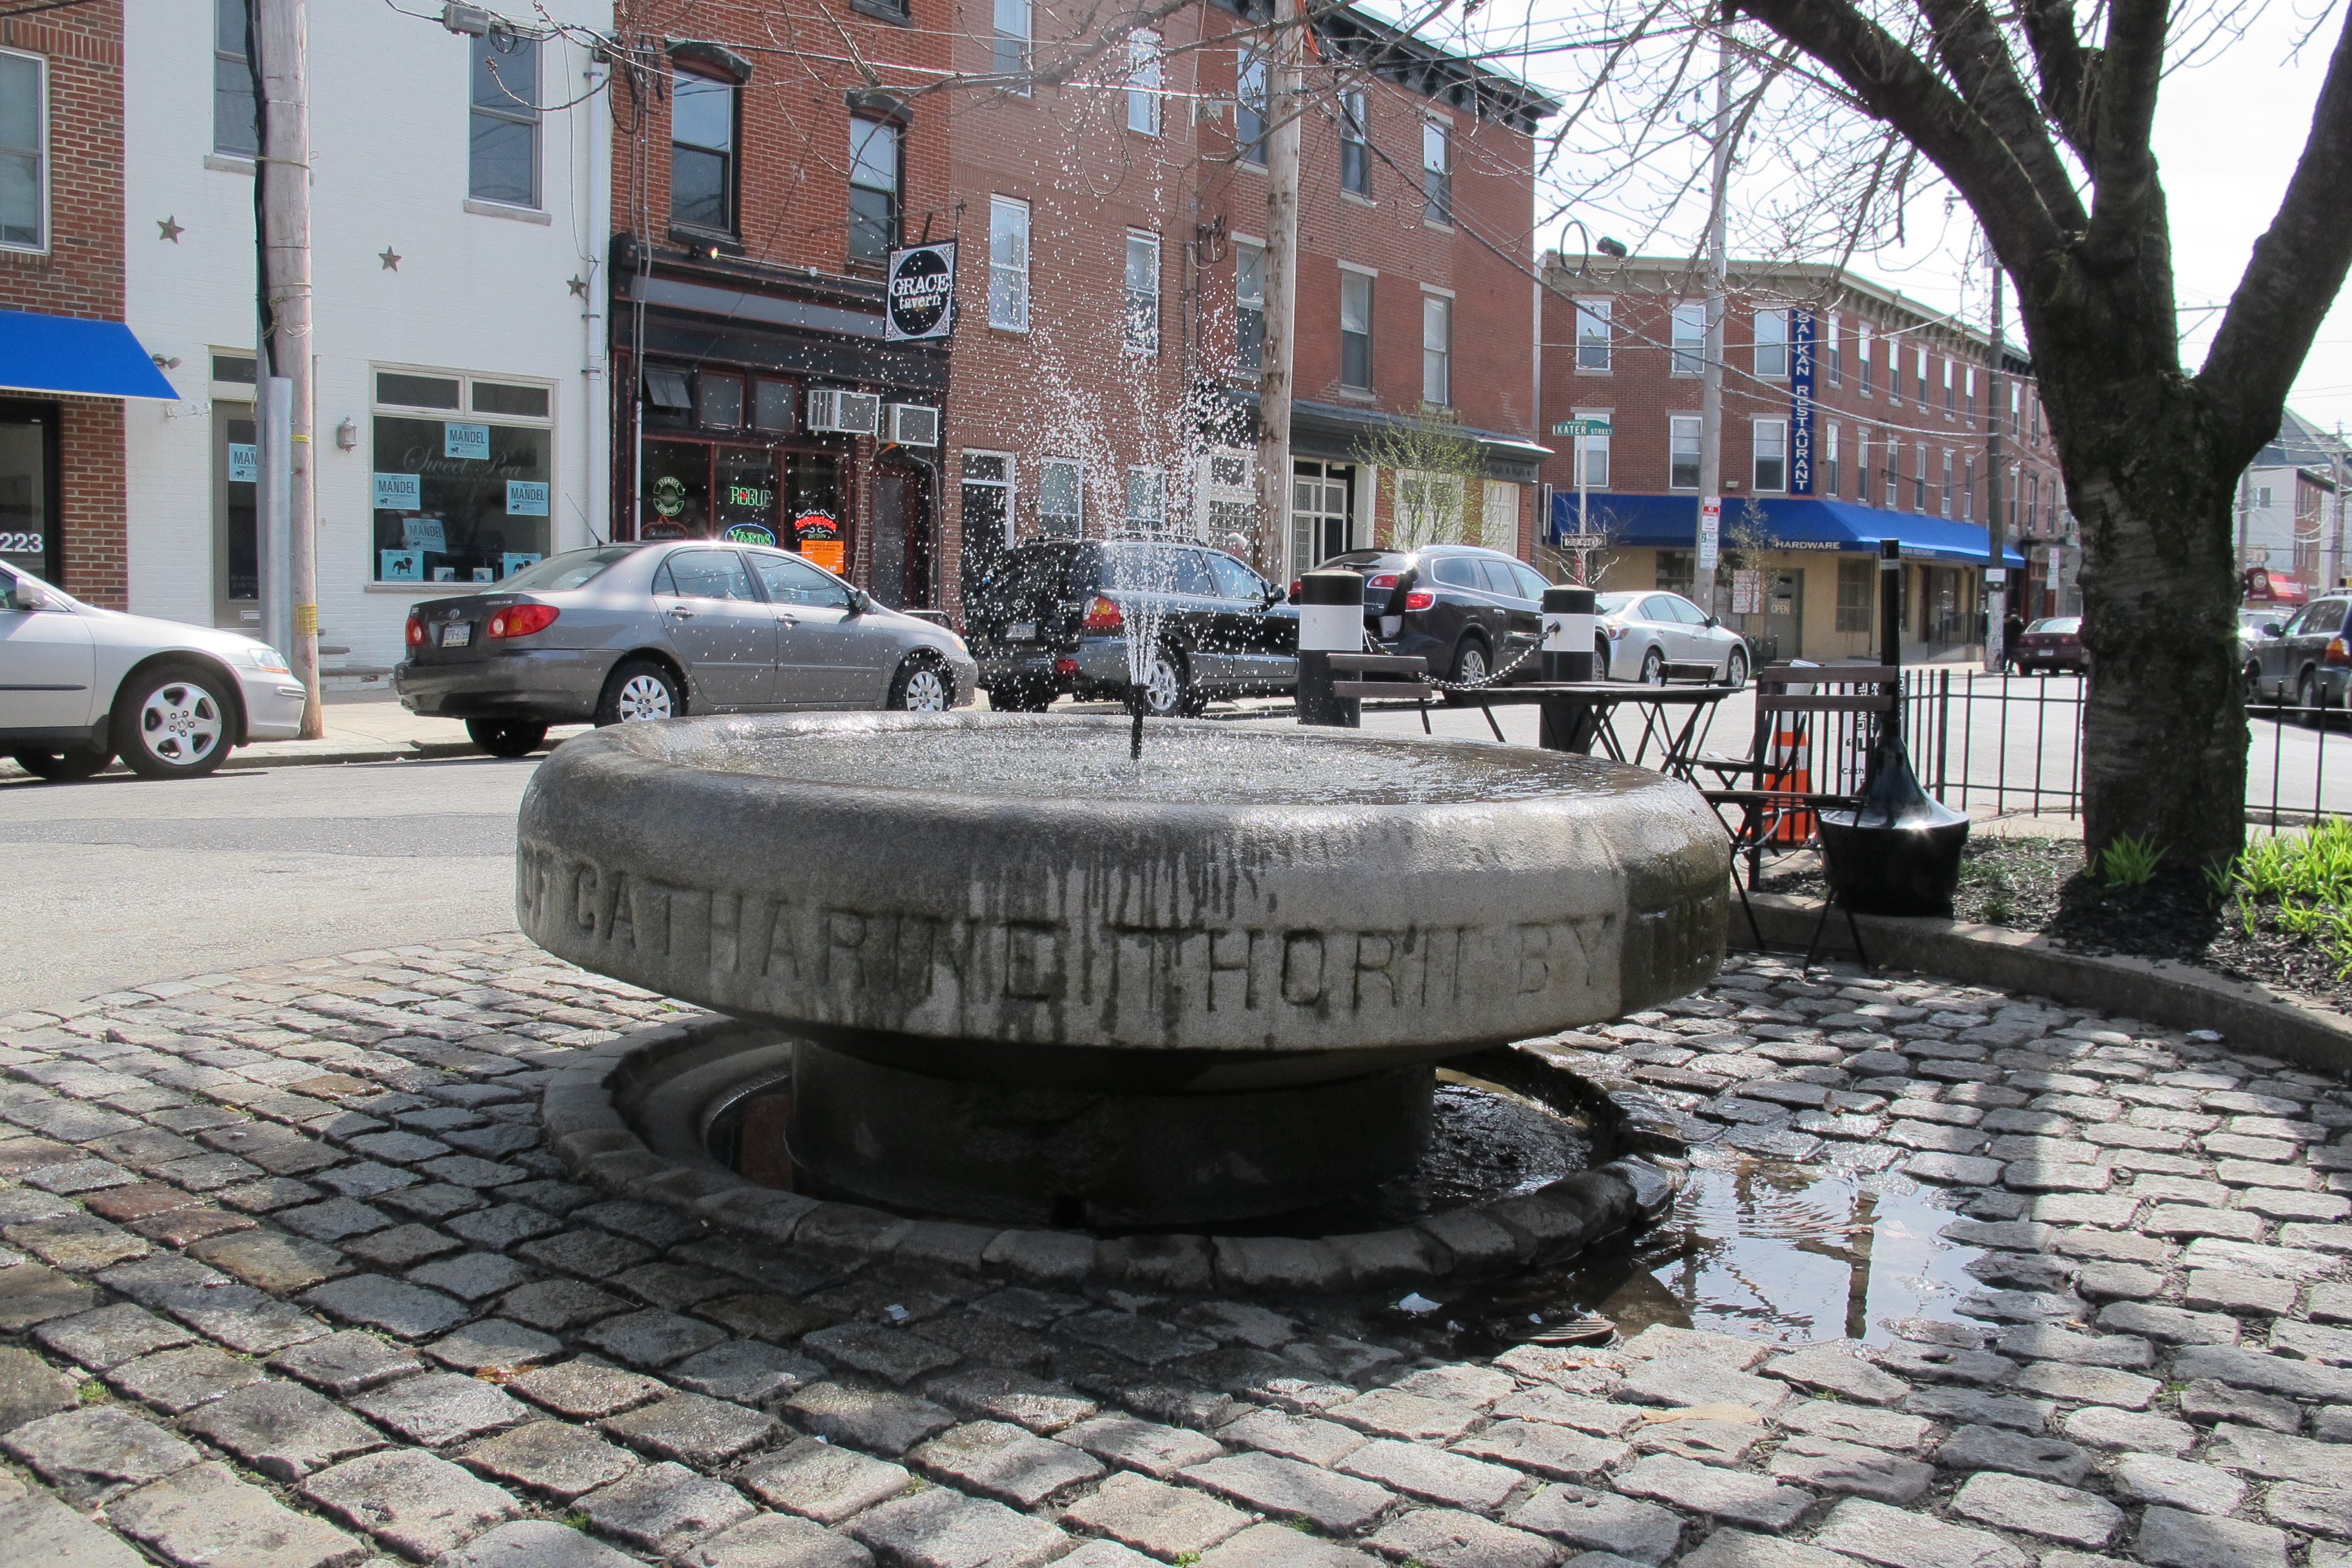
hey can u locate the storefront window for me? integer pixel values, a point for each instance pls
(752, 495)
(465, 500)
(25, 502)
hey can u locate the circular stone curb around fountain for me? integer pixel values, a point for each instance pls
(586, 1111)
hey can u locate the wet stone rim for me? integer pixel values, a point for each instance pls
(581, 1112)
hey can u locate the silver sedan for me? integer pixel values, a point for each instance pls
(1642, 634)
(651, 631)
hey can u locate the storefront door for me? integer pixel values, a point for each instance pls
(29, 536)
(1320, 494)
(901, 569)
(1784, 614)
(237, 545)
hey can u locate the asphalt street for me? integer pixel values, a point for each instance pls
(120, 881)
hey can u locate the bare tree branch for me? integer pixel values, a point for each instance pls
(2068, 71)
(1969, 44)
(2124, 192)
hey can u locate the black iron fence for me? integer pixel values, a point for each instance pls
(2014, 744)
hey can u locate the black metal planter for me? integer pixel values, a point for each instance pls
(1898, 852)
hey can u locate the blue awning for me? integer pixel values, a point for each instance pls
(71, 354)
(1789, 522)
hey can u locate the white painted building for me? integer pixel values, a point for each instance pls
(460, 196)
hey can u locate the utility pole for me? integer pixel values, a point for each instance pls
(1996, 529)
(1710, 394)
(1273, 382)
(283, 213)
(2336, 502)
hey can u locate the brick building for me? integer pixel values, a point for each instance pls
(1108, 210)
(67, 363)
(1899, 404)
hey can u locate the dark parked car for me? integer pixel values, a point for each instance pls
(2307, 662)
(1469, 611)
(650, 631)
(1059, 617)
(2049, 644)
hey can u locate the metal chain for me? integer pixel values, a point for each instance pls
(1491, 676)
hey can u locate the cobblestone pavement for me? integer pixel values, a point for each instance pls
(287, 1281)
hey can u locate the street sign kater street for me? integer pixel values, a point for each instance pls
(919, 301)
(1581, 427)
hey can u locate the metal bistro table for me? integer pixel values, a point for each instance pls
(1578, 713)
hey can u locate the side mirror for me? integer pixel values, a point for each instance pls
(1275, 593)
(24, 594)
(2273, 629)
(858, 602)
(1713, 622)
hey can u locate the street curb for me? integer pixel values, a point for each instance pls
(2178, 995)
(607, 1120)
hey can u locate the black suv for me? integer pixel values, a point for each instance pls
(1059, 615)
(1469, 611)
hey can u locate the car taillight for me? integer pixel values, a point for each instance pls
(2336, 653)
(1378, 582)
(522, 620)
(1296, 584)
(1420, 598)
(1102, 616)
(416, 631)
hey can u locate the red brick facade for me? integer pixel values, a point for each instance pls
(80, 272)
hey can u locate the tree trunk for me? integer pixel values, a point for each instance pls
(2164, 726)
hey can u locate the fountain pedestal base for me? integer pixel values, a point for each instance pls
(1021, 1154)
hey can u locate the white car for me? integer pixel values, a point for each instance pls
(1641, 634)
(80, 685)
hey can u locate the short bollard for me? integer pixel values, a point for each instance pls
(1569, 626)
(1330, 620)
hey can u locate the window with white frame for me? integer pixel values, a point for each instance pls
(1948, 384)
(874, 192)
(702, 147)
(1355, 143)
(1771, 450)
(1862, 336)
(1143, 81)
(24, 152)
(987, 497)
(1593, 450)
(1008, 263)
(1893, 372)
(1830, 462)
(463, 477)
(236, 123)
(1969, 489)
(1436, 172)
(1946, 486)
(1436, 350)
(1894, 466)
(1594, 339)
(1143, 293)
(1772, 344)
(1062, 498)
(502, 160)
(1147, 502)
(1250, 101)
(1249, 308)
(1498, 517)
(1682, 452)
(1356, 331)
(1968, 395)
(1862, 464)
(1008, 49)
(1835, 357)
(1919, 372)
(1919, 480)
(1224, 494)
(1690, 338)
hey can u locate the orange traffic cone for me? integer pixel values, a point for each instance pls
(1790, 770)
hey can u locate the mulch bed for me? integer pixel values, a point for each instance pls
(2040, 885)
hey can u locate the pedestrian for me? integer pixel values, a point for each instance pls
(2012, 629)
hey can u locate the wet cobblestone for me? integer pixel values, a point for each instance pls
(288, 1277)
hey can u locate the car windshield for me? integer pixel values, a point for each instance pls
(2059, 623)
(1614, 603)
(572, 569)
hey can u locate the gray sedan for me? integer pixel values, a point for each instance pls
(650, 631)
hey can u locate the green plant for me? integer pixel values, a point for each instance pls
(1187, 1559)
(2303, 881)
(2128, 861)
(576, 1519)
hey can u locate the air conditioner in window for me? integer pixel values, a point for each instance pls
(845, 413)
(914, 424)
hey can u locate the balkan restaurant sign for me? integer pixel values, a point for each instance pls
(1801, 403)
(919, 299)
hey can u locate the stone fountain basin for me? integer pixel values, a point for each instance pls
(1010, 899)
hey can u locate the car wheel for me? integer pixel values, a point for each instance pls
(1653, 668)
(2254, 684)
(1166, 685)
(2306, 699)
(639, 689)
(1601, 659)
(1735, 669)
(70, 765)
(922, 686)
(505, 737)
(1471, 667)
(172, 723)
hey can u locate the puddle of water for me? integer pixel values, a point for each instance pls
(1794, 1254)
